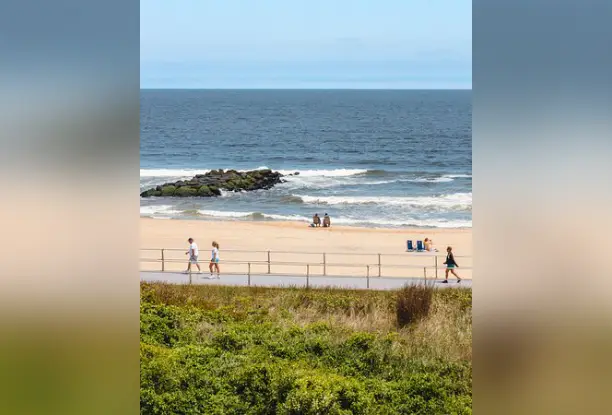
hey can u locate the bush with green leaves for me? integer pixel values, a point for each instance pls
(219, 350)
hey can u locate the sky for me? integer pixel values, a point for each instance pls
(381, 44)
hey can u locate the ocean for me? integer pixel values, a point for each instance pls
(376, 158)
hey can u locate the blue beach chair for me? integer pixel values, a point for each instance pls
(420, 247)
(410, 247)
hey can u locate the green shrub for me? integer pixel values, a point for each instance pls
(224, 350)
(461, 298)
(163, 325)
(315, 394)
(229, 341)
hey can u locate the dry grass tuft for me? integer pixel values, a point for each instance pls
(413, 304)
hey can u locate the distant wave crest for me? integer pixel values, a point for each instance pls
(325, 173)
(450, 201)
(166, 172)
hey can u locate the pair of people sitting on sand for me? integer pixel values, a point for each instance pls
(316, 221)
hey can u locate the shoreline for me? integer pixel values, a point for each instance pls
(305, 224)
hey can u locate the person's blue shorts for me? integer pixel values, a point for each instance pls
(450, 266)
(215, 260)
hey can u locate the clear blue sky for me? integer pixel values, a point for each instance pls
(306, 44)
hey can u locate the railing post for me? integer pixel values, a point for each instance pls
(436, 263)
(379, 265)
(249, 274)
(425, 273)
(268, 262)
(368, 276)
(307, 275)
(190, 282)
(324, 265)
(163, 262)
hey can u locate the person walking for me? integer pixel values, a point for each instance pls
(214, 260)
(193, 253)
(451, 264)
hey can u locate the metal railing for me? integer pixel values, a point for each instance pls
(263, 260)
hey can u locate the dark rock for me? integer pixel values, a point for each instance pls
(168, 190)
(185, 191)
(205, 191)
(151, 192)
(211, 183)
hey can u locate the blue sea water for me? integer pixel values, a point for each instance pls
(366, 157)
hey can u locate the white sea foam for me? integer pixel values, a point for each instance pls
(151, 210)
(436, 223)
(164, 172)
(171, 172)
(223, 214)
(354, 177)
(325, 173)
(287, 217)
(192, 172)
(443, 179)
(450, 201)
(455, 176)
(251, 215)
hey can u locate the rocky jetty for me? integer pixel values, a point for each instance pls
(211, 183)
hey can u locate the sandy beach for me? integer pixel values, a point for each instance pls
(292, 245)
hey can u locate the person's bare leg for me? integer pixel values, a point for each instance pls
(446, 275)
(456, 275)
(199, 269)
(217, 268)
(210, 267)
(189, 266)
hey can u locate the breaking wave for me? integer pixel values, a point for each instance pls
(450, 201)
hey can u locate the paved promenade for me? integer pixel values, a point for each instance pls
(265, 280)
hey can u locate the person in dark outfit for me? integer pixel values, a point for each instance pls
(451, 264)
(316, 220)
(326, 221)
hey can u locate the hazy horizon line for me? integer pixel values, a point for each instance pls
(300, 89)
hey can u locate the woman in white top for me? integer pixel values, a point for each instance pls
(214, 259)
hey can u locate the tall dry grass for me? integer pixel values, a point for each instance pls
(413, 304)
(425, 322)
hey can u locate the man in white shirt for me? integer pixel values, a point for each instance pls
(193, 253)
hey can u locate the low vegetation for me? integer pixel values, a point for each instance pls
(250, 350)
